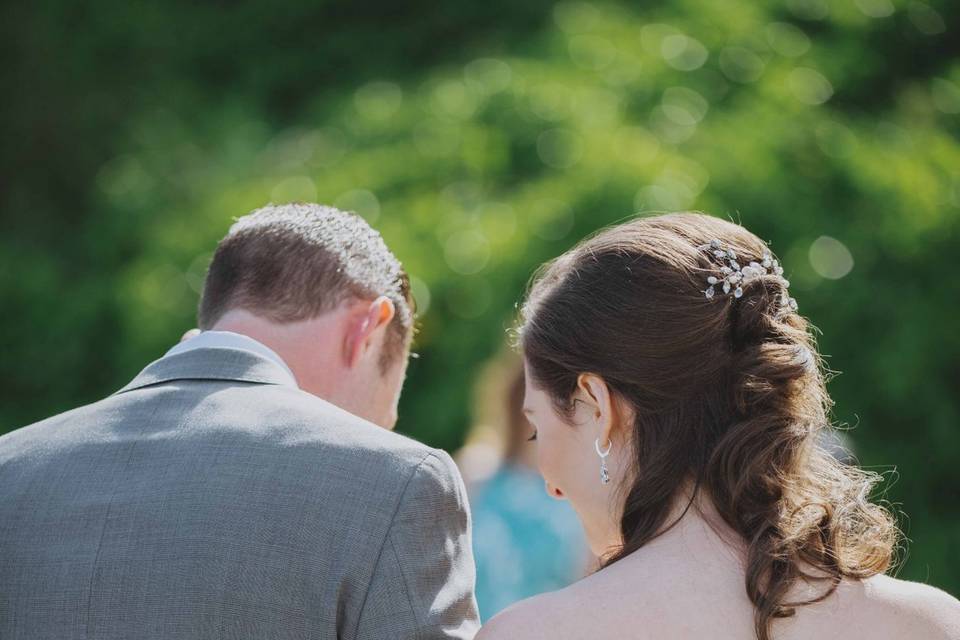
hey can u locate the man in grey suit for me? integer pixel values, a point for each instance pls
(248, 483)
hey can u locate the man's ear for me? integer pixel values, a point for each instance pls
(365, 326)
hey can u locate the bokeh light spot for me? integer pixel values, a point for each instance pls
(576, 17)
(550, 101)
(894, 135)
(196, 273)
(329, 146)
(836, 140)
(946, 95)
(656, 197)
(591, 52)
(467, 252)
(809, 86)
(559, 148)
(451, 98)
(471, 298)
(875, 8)
(549, 219)
(125, 180)
(688, 174)
(830, 258)
(600, 109)
(488, 75)
(652, 37)
(669, 128)
(675, 189)
(786, 39)
(464, 194)
(378, 101)
(625, 70)
(436, 137)
(294, 189)
(636, 145)
(926, 19)
(421, 295)
(360, 201)
(291, 149)
(164, 289)
(498, 220)
(683, 52)
(809, 9)
(684, 106)
(740, 64)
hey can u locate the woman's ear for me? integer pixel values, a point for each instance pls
(599, 401)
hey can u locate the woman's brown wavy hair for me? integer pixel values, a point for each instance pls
(728, 394)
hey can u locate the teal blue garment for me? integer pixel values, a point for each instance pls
(524, 541)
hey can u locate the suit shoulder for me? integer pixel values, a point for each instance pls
(436, 486)
(41, 435)
(312, 418)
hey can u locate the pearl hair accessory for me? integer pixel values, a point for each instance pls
(733, 276)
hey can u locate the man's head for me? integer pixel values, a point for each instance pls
(319, 287)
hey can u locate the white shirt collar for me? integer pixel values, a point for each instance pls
(230, 340)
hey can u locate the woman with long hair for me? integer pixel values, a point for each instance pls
(678, 402)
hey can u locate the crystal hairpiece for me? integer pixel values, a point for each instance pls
(733, 276)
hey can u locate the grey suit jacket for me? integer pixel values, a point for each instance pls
(211, 498)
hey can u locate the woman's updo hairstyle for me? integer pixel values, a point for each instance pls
(728, 393)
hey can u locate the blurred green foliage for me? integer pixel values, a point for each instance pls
(483, 139)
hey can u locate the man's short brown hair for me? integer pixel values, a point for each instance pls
(297, 261)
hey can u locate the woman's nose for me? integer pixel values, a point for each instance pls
(554, 492)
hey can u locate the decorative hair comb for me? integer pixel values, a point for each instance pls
(733, 276)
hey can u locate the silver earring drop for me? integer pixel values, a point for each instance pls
(604, 472)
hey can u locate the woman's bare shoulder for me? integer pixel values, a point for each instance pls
(915, 610)
(592, 606)
(530, 619)
(580, 610)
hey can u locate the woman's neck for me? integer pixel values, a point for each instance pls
(694, 523)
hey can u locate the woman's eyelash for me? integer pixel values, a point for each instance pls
(533, 437)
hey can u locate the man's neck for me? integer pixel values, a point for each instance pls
(308, 347)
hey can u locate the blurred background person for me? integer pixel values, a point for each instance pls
(525, 542)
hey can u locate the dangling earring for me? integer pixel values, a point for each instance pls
(604, 472)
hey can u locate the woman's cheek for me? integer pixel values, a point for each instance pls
(544, 462)
(558, 465)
